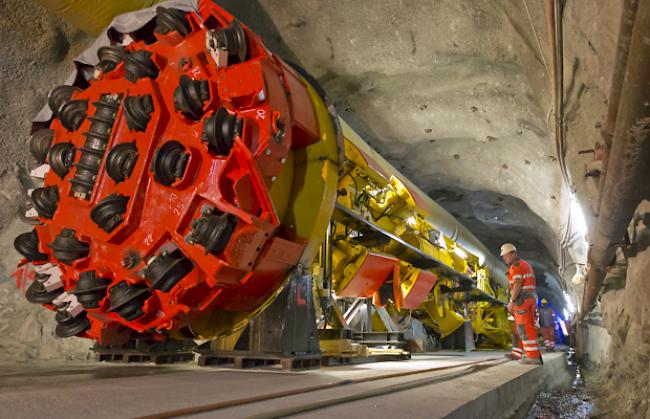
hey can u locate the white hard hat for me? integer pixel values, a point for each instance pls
(507, 248)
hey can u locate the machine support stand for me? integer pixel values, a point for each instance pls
(461, 339)
(284, 334)
(139, 350)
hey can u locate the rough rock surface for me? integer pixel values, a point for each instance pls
(36, 56)
(625, 390)
(27, 330)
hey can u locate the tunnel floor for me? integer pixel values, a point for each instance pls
(478, 384)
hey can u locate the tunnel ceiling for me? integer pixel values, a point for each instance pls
(456, 94)
(497, 218)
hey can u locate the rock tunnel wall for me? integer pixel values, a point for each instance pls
(36, 55)
(625, 382)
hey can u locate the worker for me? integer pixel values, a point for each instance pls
(523, 302)
(517, 347)
(547, 325)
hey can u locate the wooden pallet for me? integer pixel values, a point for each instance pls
(244, 360)
(136, 357)
(342, 359)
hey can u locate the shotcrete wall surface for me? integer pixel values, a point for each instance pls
(595, 349)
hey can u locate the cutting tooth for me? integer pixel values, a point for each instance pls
(40, 171)
(127, 39)
(54, 281)
(31, 213)
(69, 303)
(44, 268)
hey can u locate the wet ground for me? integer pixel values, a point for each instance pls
(570, 403)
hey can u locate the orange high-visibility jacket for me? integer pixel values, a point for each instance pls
(520, 269)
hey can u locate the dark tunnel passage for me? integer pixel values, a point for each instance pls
(496, 219)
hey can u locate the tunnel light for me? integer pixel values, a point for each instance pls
(578, 217)
(569, 303)
(578, 278)
(565, 332)
(460, 252)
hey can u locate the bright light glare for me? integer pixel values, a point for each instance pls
(441, 242)
(460, 252)
(578, 278)
(563, 326)
(578, 217)
(411, 221)
(569, 303)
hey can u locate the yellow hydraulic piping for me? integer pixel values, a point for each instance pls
(435, 214)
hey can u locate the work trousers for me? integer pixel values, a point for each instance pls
(525, 316)
(517, 348)
(549, 337)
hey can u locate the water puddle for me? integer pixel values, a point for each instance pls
(573, 403)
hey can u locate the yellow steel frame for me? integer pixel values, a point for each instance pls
(386, 202)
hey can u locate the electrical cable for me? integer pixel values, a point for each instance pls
(539, 44)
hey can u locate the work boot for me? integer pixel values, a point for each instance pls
(531, 361)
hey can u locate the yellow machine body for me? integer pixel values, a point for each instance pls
(373, 193)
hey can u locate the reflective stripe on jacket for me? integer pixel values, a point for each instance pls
(520, 269)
